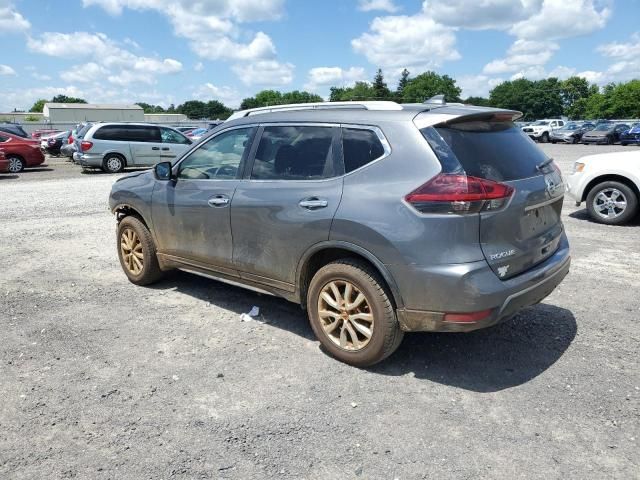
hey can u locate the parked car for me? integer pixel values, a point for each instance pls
(184, 129)
(44, 132)
(631, 136)
(571, 133)
(542, 129)
(54, 143)
(21, 152)
(13, 129)
(4, 162)
(196, 134)
(609, 183)
(378, 218)
(114, 146)
(605, 133)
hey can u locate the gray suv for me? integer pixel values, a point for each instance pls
(114, 146)
(377, 218)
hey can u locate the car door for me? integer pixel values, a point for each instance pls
(173, 144)
(620, 129)
(190, 214)
(286, 202)
(145, 144)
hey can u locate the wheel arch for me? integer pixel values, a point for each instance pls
(125, 210)
(323, 253)
(610, 177)
(116, 153)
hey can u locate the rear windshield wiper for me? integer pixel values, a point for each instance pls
(540, 166)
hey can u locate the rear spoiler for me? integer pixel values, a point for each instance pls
(453, 114)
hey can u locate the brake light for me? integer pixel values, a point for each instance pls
(86, 145)
(459, 193)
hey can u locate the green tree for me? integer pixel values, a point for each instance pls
(65, 99)
(575, 89)
(194, 109)
(478, 101)
(428, 84)
(267, 98)
(380, 89)
(402, 83)
(38, 106)
(216, 110)
(535, 99)
(151, 108)
(360, 91)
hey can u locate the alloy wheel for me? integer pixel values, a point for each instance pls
(15, 165)
(610, 203)
(131, 249)
(345, 315)
(114, 164)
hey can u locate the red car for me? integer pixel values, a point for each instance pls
(20, 152)
(44, 132)
(4, 163)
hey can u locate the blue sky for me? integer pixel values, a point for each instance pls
(168, 51)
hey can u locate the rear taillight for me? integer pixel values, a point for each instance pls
(459, 193)
(86, 145)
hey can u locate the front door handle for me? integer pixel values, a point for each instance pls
(219, 201)
(165, 148)
(313, 203)
(155, 148)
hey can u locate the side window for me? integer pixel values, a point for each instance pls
(143, 133)
(218, 158)
(360, 147)
(553, 124)
(171, 136)
(108, 132)
(295, 153)
(561, 123)
(3, 138)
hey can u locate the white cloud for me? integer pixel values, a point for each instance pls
(481, 14)
(333, 76)
(227, 95)
(521, 56)
(11, 20)
(382, 5)
(198, 67)
(268, 73)
(562, 19)
(477, 85)
(6, 70)
(401, 41)
(211, 25)
(119, 66)
(626, 65)
(625, 49)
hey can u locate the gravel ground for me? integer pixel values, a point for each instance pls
(103, 379)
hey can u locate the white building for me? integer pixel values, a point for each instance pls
(83, 112)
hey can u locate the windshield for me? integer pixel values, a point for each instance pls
(603, 127)
(571, 126)
(541, 122)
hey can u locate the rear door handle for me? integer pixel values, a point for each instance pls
(165, 148)
(313, 203)
(219, 201)
(155, 148)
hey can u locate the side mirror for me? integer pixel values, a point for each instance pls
(162, 171)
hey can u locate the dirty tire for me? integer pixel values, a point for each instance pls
(630, 196)
(150, 271)
(113, 163)
(386, 335)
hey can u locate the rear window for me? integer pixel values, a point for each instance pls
(497, 151)
(360, 147)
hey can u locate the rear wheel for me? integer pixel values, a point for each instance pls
(113, 163)
(137, 252)
(544, 138)
(16, 164)
(609, 141)
(351, 313)
(624, 144)
(612, 203)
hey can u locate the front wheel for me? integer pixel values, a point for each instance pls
(544, 138)
(16, 164)
(351, 313)
(612, 203)
(137, 252)
(624, 144)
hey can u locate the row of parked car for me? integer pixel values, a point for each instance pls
(599, 133)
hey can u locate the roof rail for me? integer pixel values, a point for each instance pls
(368, 105)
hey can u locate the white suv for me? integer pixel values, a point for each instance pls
(541, 130)
(609, 183)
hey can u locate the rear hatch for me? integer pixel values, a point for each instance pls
(522, 231)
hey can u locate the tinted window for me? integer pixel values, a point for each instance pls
(493, 150)
(360, 147)
(4, 138)
(218, 158)
(143, 133)
(171, 136)
(295, 153)
(84, 129)
(109, 132)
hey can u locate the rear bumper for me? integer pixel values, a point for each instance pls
(87, 160)
(473, 288)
